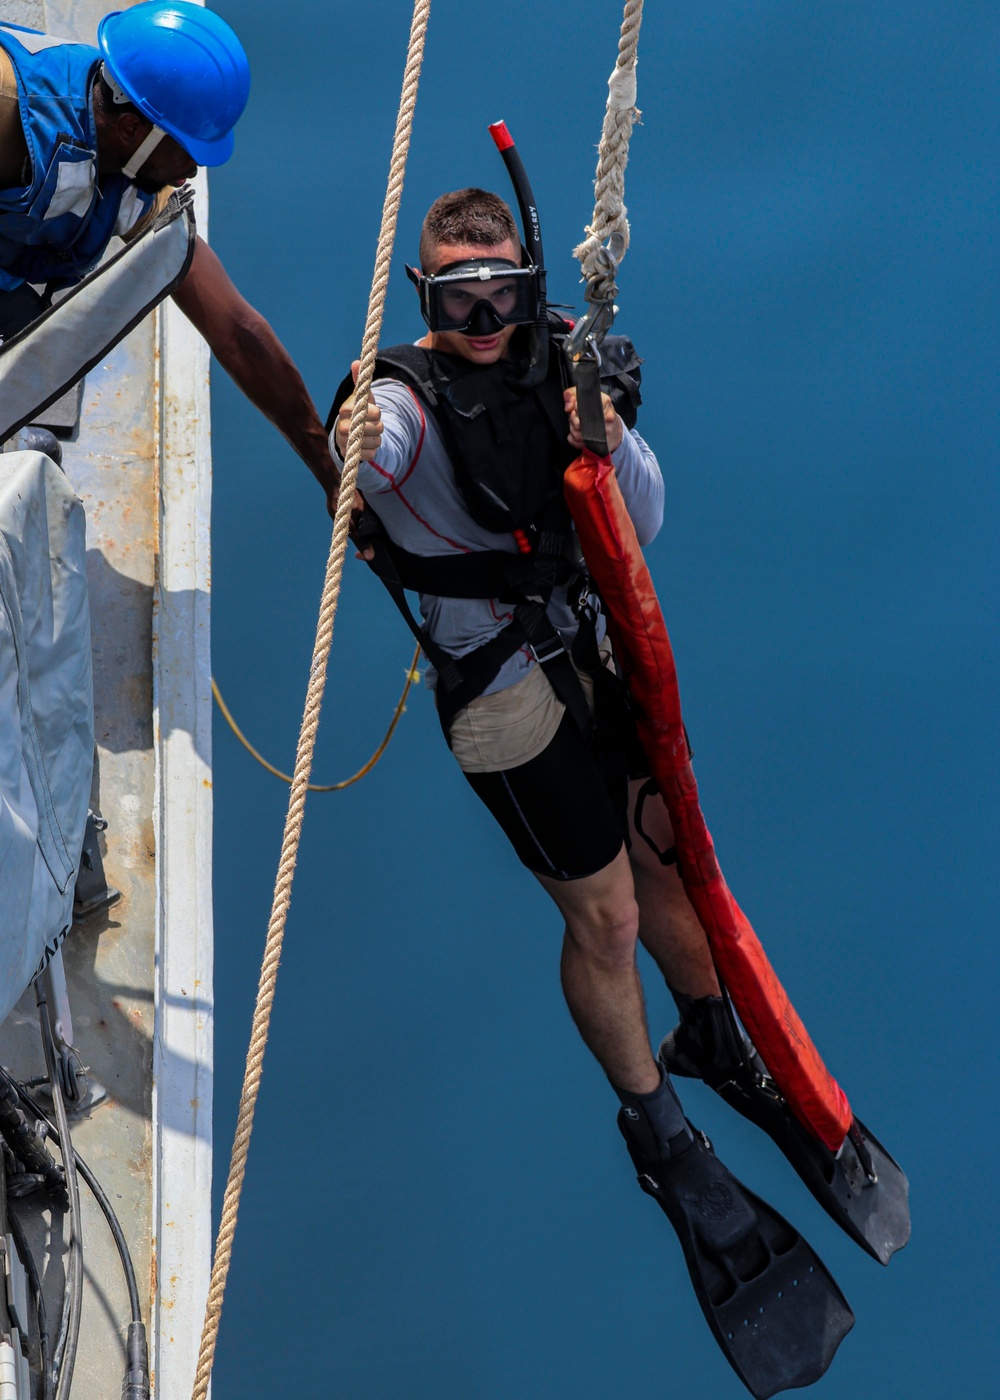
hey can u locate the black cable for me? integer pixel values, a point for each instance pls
(34, 1283)
(135, 1386)
(97, 1192)
(21, 1140)
(64, 1355)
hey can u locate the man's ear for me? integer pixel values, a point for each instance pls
(131, 128)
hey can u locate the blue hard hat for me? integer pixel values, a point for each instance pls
(184, 68)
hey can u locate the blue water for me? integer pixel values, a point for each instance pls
(437, 1205)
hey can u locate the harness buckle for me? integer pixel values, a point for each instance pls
(548, 649)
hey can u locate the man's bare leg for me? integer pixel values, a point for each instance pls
(602, 989)
(599, 977)
(668, 926)
(670, 931)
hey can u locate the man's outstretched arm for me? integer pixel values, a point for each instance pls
(250, 352)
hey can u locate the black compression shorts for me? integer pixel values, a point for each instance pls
(563, 812)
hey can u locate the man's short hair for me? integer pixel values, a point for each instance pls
(474, 217)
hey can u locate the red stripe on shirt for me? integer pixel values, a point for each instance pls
(394, 485)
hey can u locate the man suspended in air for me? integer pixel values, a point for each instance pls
(466, 442)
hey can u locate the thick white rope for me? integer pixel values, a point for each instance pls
(314, 697)
(620, 116)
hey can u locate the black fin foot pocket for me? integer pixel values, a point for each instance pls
(866, 1192)
(772, 1305)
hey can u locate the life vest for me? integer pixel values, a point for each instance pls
(55, 229)
(507, 445)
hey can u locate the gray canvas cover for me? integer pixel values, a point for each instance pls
(54, 352)
(46, 713)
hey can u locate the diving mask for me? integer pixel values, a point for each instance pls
(478, 297)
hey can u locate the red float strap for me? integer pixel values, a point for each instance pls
(643, 648)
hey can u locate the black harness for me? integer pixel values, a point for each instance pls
(507, 444)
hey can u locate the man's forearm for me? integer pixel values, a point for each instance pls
(258, 363)
(247, 348)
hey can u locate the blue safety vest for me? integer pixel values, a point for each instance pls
(55, 228)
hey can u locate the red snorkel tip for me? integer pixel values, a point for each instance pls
(500, 134)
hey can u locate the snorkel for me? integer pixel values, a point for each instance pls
(538, 362)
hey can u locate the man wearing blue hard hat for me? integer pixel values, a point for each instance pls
(92, 140)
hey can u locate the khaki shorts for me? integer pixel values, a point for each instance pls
(515, 725)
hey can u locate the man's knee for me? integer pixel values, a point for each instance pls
(606, 932)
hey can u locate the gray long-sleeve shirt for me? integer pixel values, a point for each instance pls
(412, 488)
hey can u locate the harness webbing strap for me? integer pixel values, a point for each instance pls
(590, 406)
(482, 574)
(462, 679)
(668, 856)
(550, 652)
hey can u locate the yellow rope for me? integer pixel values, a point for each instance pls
(412, 675)
(314, 696)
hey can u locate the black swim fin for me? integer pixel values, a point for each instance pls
(773, 1307)
(862, 1188)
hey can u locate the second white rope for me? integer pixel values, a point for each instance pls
(621, 114)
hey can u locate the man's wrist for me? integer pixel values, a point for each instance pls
(320, 461)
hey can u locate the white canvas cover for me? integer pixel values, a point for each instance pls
(46, 712)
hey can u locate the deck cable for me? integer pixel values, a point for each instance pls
(63, 1358)
(314, 697)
